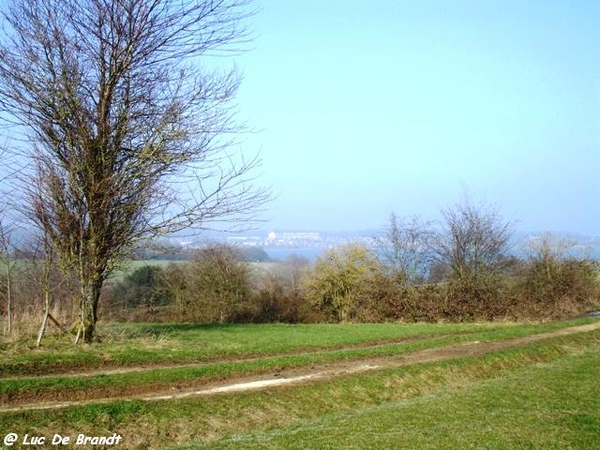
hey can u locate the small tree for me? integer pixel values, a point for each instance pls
(475, 240)
(6, 250)
(8, 268)
(47, 251)
(140, 288)
(548, 253)
(278, 292)
(474, 247)
(555, 283)
(129, 136)
(405, 248)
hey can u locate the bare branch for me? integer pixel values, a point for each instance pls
(121, 116)
(475, 239)
(405, 247)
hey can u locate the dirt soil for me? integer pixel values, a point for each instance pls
(155, 392)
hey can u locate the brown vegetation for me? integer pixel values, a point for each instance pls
(350, 283)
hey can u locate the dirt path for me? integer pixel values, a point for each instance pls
(323, 371)
(72, 373)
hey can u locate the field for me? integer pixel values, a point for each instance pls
(486, 385)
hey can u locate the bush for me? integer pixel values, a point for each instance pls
(343, 284)
(277, 301)
(140, 288)
(214, 287)
(475, 241)
(555, 288)
(420, 303)
(138, 297)
(482, 297)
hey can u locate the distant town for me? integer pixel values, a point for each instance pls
(312, 243)
(301, 239)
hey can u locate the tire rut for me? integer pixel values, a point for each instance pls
(302, 352)
(320, 371)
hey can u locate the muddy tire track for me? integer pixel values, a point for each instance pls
(106, 368)
(308, 374)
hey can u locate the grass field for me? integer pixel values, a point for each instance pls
(127, 268)
(552, 403)
(536, 395)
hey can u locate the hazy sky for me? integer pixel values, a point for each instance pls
(380, 106)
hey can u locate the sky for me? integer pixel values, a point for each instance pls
(365, 108)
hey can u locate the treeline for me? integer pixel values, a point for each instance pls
(169, 252)
(460, 270)
(350, 283)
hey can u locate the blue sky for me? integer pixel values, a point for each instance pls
(371, 107)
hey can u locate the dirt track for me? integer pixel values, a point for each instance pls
(324, 371)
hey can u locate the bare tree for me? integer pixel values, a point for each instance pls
(405, 247)
(42, 258)
(475, 239)
(128, 134)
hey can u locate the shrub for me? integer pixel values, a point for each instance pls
(140, 288)
(555, 288)
(482, 297)
(138, 297)
(405, 249)
(277, 301)
(475, 240)
(214, 287)
(341, 286)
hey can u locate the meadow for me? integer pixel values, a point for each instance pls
(429, 389)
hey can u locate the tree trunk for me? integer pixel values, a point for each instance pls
(42, 328)
(89, 311)
(46, 305)
(47, 290)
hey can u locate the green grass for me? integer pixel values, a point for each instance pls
(164, 377)
(552, 405)
(538, 396)
(153, 344)
(135, 344)
(299, 345)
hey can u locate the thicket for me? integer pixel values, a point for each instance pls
(216, 284)
(351, 283)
